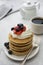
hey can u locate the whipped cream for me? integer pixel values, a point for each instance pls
(24, 34)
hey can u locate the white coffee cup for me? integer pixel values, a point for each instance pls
(37, 28)
(29, 10)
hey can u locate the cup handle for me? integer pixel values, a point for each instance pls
(37, 4)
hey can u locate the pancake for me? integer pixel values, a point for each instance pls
(20, 48)
(20, 40)
(21, 53)
(20, 45)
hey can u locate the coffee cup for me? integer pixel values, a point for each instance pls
(37, 25)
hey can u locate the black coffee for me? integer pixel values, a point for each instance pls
(37, 20)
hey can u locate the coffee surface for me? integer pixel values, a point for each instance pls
(37, 21)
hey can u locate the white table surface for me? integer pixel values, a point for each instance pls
(5, 26)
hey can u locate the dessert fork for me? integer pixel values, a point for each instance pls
(25, 58)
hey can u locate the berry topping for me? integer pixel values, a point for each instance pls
(10, 52)
(18, 33)
(12, 28)
(19, 29)
(16, 28)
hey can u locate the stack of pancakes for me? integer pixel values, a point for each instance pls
(20, 46)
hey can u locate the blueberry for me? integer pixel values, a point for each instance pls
(20, 25)
(12, 28)
(7, 46)
(6, 43)
(10, 52)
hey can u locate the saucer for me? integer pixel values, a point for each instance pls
(20, 58)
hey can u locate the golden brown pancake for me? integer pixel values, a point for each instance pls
(20, 41)
(21, 53)
(21, 44)
(19, 48)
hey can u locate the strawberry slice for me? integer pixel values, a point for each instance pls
(18, 33)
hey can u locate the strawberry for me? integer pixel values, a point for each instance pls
(18, 33)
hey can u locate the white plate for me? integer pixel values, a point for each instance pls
(20, 58)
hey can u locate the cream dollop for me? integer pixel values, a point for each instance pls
(24, 34)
